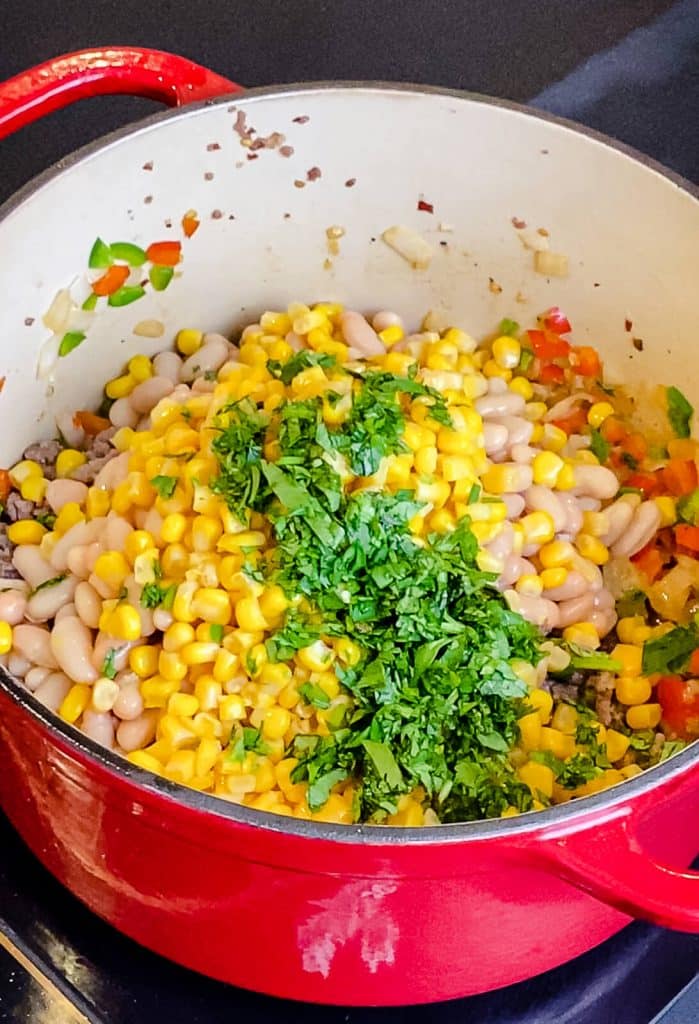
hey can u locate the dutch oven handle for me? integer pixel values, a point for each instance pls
(116, 69)
(610, 862)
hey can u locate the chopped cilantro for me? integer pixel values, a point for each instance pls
(599, 446)
(315, 695)
(670, 653)
(154, 596)
(108, 666)
(526, 359)
(51, 583)
(216, 632)
(46, 518)
(508, 327)
(243, 741)
(474, 494)
(164, 485)
(301, 361)
(670, 748)
(679, 412)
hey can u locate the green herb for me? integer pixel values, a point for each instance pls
(90, 302)
(629, 490)
(244, 740)
(315, 695)
(474, 494)
(599, 446)
(125, 295)
(160, 277)
(154, 596)
(631, 603)
(642, 741)
(526, 359)
(70, 341)
(670, 748)
(592, 661)
(164, 485)
(128, 252)
(238, 449)
(508, 327)
(688, 508)
(108, 665)
(301, 361)
(216, 632)
(51, 583)
(671, 652)
(100, 256)
(629, 460)
(679, 412)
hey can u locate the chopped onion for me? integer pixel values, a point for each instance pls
(149, 329)
(531, 239)
(551, 264)
(57, 315)
(670, 594)
(80, 319)
(566, 406)
(48, 357)
(408, 244)
(620, 575)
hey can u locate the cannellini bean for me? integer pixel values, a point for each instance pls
(35, 677)
(162, 618)
(129, 703)
(105, 643)
(542, 499)
(578, 609)
(497, 386)
(126, 677)
(146, 395)
(294, 340)
(587, 504)
(31, 565)
(73, 434)
(574, 585)
(619, 516)
(12, 605)
(537, 610)
(522, 453)
(208, 359)
(497, 404)
(17, 665)
(574, 516)
(34, 644)
(604, 621)
(566, 406)
(645, 523)
(514, 504)
(123, 414)
(71, 644)
(99, 726)
(494, 436)
(360, 335)
(595, 481)
(53, 690)
(88, 604)
(152, 521)
(167, 364)
(77, 561)
(131, 735)
(104, 589)
(203, 386)
(514, 567)
(522, 476)
(81, 533)
(113, 472)
(603, 600)
(60, 492)
(116, 530)
(44, 604)
(66, 612)
(589, 571)
(519, 430)
(92, 553)
(501, 545)
(15, 584)
(385, 318)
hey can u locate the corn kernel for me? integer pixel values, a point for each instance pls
(592, 548)
(598, 413)
(553, 577)
(249, 616)
(70, 515)
(146, 761)
(189, 341)
(543, 702)
(616, 744)
(184, 705)
(138, 543)
(633, 689)
(565, 719)
(119, 387)
(557, 553)
(21, 470)
(506, 352)
(96, 502)
(199, 652)
(317, 657)
(5, 637)
(231, 708)
(558, 743)
(390, 335)
(538, 528)
(212, 605)
(644, 716)
(275, 723)
(546, 467)
(566, 478)
(668, 510)
(584, 634)
(75, 702)
(502, 479)
(629, 770)
(530, 584)
(143, 660)
(553, 439)
(530, 730)
(25, 531)
(112, 568)
(140, 368)
(631, 658)
(124, 623)
(34, 489)
(522, 386)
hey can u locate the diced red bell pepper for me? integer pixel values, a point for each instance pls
(687, 537)
(679, 700)
(648, 483)
(112, 280)
(586, 361)
(190, 223)
(635, 445)
(165, 254)
(5, 485)
(556, 321)
(613, 430)
(573, 424)
(551, 374)
(649, 561)
(694, 663)
(547, 345)
(680, 476)
(90, 422)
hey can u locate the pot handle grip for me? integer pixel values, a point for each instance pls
(116, 69)
(610, 862)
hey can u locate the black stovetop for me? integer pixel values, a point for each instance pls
(626, 67)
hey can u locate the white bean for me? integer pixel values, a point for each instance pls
(99, 726)
(104, 589)
(81, 533)
(92, 553)
(35, 677)
(71, 644)
(15, 584)
(34, 644)
(595, 481)
(203, 386)
(497, 404)
(137, 733)
(385, 318)
(72, 434)
(44, 604)
(116, 530)
(573, 586)
(126, 678)
(537, 610)
(106, 643)
(619, 515)
(294, 340)
(66, 612)
(12, 605)
(514, 504)
(167, 364)
(77, 561)
(587, 504)
(115, 471)
(162, 618)
(31, 565)
(53, 690)
(501, 545)
(152, 521)
(604, 621)
(360, 335)
(542, 499)
(642, 529)
(494, 437)
(497, 386)
(129, 703)
(523, 454)
(123, 414)
(17, 665)
(604, 600)
(60, 492)
(519, 430)
(146, 395)
(514, 567)
(207, 359)
(578, 609)
(591, 572)
(574, 516)
(88, 604)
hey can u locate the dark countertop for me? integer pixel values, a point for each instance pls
(629, 68)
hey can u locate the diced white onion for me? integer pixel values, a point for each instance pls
(408, 244)
(551, 264)
(149, 329)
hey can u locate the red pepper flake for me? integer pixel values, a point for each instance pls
(493, 286)
(253, 156)
(286, 151)
(240, 126)
(426, 207)
(148, 166)
(212, 147)
(287, 216)
(299, 184)
(313, 173)
(167, 223)
(637, 344)
(518, 223)
(350, 183)
(2, 383)
(28, 321)
(303, 119)
(208, 176)
(627, 324)
(216, 214)
(147, 200)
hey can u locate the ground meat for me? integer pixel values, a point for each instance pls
(45, 453)
(604, 694)
(7, 569)
(99, 451)
(18, 507)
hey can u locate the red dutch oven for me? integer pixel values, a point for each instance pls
(355, 915)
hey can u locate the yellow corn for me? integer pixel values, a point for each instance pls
(557, 553)
(24, 469)
(553, 577)
(592, 548)
(25, 531)
(538, 528)
(559, 744)
(546, 467)
(584, 634)
(644, 716)
(543, 702)
(70, 515)
(538, 777)
(143, 660)
(34, 489)
(566, 478)
(112, 568)
(631, 658)
(598, 413)
(633, 689)
(501, 479)
(565, 719)
(5, 637)
(68, 461)
(96, 503)
(188, 341)
(530, 730)
(119, 387)
(75, 702)
(146, 761)
(506, 352)
(140, 368)
(124, 623)
(668, 510)
(617, 744)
